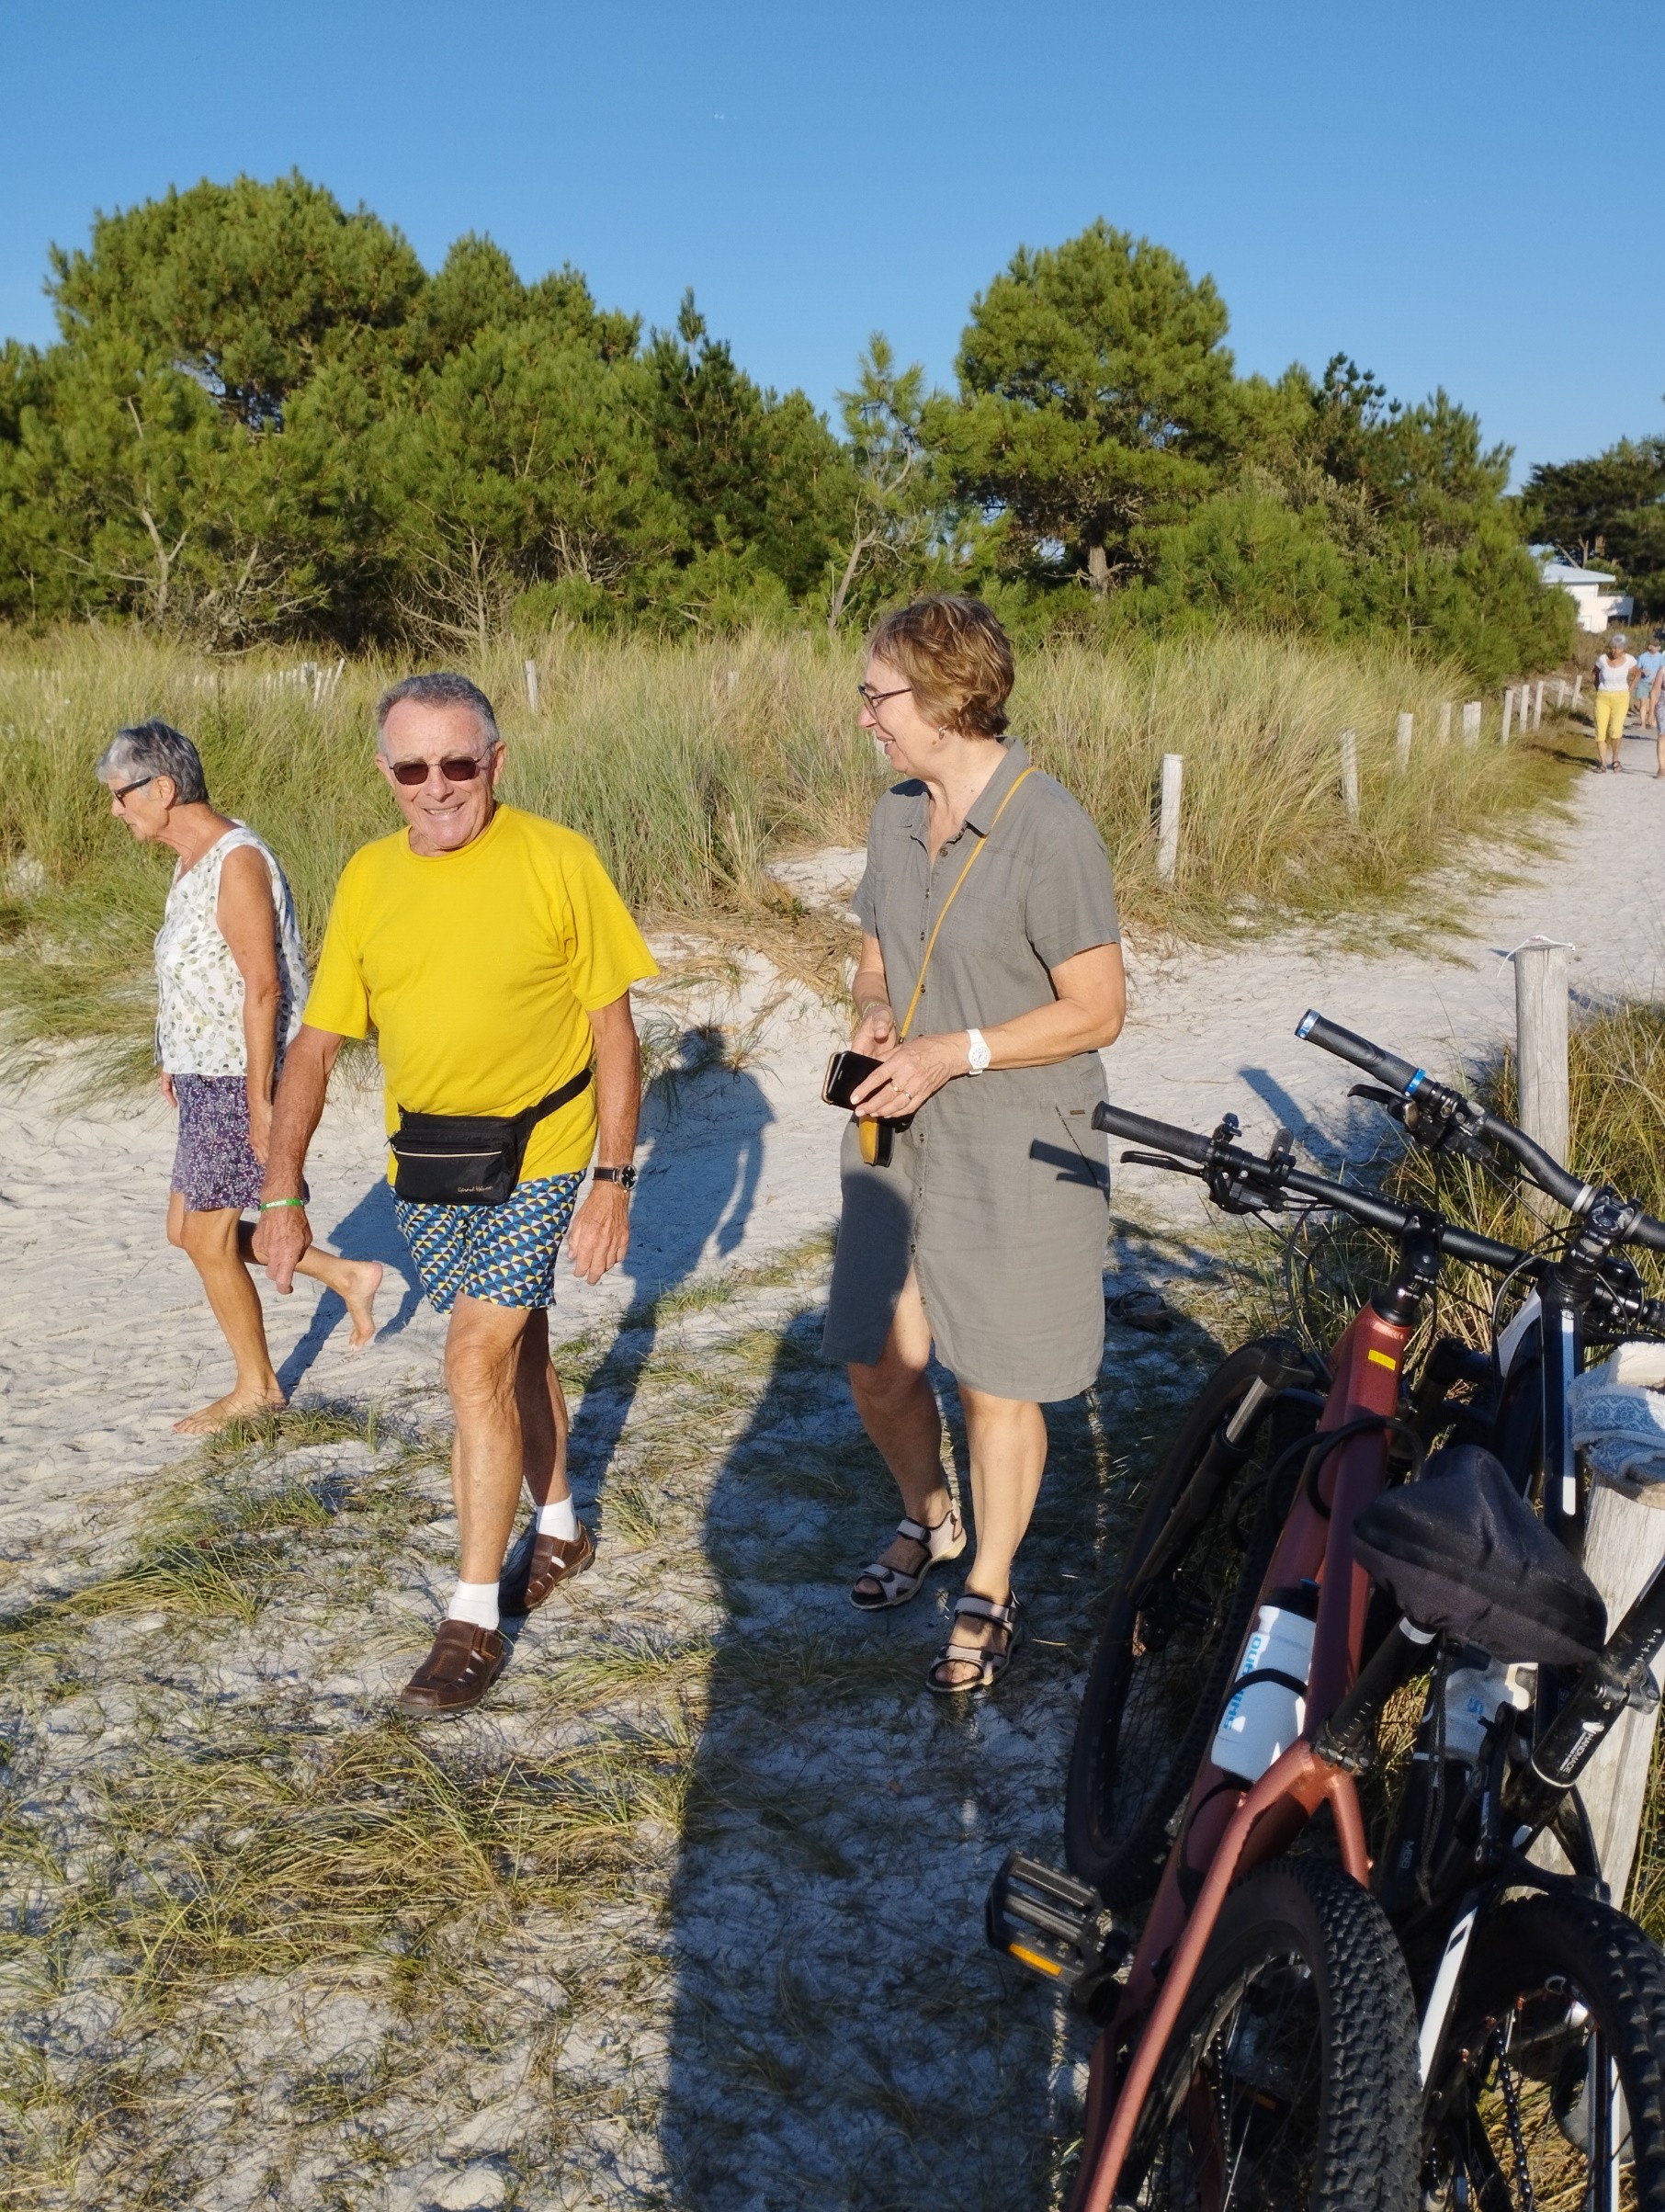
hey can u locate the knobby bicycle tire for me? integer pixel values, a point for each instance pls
(1558, 1992)
(1163, 1660)
(1289, 2083)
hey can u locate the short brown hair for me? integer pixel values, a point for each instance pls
(957, 657)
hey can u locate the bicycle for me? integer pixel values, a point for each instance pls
(1284, 1454)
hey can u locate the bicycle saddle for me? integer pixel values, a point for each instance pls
(1463, 1554)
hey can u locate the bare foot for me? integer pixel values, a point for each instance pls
(359, 1296)
(234, 1406)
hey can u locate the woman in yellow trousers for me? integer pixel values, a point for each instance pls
(1615, 673)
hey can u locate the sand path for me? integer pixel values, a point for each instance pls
(105, 1339)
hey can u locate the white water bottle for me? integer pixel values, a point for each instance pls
(1474, 1697)
(1267, 1707)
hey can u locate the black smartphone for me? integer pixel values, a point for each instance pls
(846, 1072)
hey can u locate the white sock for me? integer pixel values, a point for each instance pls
(475, 1601)
(558, 1519)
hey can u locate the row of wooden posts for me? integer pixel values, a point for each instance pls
(1522, 710)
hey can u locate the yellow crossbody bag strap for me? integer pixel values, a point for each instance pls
(920, 981)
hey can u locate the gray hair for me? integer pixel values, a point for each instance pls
(443, 689)
(155, 748)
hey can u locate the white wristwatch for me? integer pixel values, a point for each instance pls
(979, 1055)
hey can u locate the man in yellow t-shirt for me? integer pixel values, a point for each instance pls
(493, 956)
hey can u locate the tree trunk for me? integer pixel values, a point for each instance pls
(1098, 570)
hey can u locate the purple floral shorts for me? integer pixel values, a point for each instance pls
(214, 1164)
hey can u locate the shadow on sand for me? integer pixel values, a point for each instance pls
(841, 2037)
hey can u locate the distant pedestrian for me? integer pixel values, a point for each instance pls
(493, 958)
(1653, 713)
(1649, 664)
(987, 909)
(1616, 672)
(231, 977)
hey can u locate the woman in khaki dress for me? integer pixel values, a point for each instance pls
(990, 977)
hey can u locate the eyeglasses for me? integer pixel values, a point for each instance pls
(463, 767)
(872, 700)
(127, 789)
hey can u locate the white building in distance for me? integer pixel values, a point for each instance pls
(1589, 588)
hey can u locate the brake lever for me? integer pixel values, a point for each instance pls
(1162, 1159)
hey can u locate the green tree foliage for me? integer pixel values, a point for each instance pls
(1608, 512)
(1096, 395)
(264, 419)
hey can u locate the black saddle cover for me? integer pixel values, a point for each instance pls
(1462, 1553)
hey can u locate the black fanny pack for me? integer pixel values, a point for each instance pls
(469, 1159)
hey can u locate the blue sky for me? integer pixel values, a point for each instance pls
(1402, 185)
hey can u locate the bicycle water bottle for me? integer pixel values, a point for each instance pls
(1267, 1707)
(1474, 1697)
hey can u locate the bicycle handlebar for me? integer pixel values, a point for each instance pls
(1264, 1175)
(1330, 1036)
(1416, 1085)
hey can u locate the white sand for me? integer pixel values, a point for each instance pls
(105, 1338)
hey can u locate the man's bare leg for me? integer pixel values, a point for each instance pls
(482, 1365)
(544, 1419)
(210, 1241)
(354, 1282)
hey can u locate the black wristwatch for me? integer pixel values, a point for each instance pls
(624, 1176)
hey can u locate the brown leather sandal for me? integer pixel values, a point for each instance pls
(461, 1667)
(537, 1562)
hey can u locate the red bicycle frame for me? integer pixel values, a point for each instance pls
(1227, 1830)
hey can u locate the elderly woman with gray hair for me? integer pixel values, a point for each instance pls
(230, 979)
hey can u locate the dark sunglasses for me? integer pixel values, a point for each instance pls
(872, 700)
(127, 789)
(463, 768)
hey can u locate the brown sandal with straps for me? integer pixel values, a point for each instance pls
(990, 1659)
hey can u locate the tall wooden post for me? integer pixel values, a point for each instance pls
(1350, 773)
(1402, 741)
(1167, 838)
(1445, 722)
(532, 685)
(1508, 716)
(1578, 686)
(1537, 707)
(1471, 722)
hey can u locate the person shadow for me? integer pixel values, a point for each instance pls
(705, 1123)
(839, 2033)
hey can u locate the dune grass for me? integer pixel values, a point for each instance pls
(691, 766)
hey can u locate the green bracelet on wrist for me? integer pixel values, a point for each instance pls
(271, 1205)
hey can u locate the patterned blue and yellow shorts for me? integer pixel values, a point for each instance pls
(505, 1254)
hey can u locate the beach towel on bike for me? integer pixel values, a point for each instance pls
(1618, 1420)
(1462, 1553)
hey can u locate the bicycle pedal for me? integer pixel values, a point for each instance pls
(1057, 1927)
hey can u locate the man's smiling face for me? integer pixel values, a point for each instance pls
(449, 807)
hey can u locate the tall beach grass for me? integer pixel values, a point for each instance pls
(692, 765)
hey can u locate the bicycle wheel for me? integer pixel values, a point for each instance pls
(1552, 2098)
(1176, 1624)
(1289, 2083)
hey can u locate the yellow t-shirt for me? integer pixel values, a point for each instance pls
(477, 970)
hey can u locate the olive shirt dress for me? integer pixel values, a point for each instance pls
(997, 1194)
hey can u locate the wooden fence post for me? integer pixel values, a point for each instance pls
(1537, 707)
(1540, 1029)
(532, 685)
(1350, 773)
(1508, 716)
(1624, 1538)
(1402, 741)
(1471, 722)
(1167, 840)
(1578, 686)
(1445, 722)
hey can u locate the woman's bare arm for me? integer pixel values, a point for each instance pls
(1085, 1017)
(870, 994)
(248, 921)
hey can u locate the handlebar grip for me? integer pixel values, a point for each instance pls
(1648, 1232)
(1161, 1136)
(1330, 1036)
